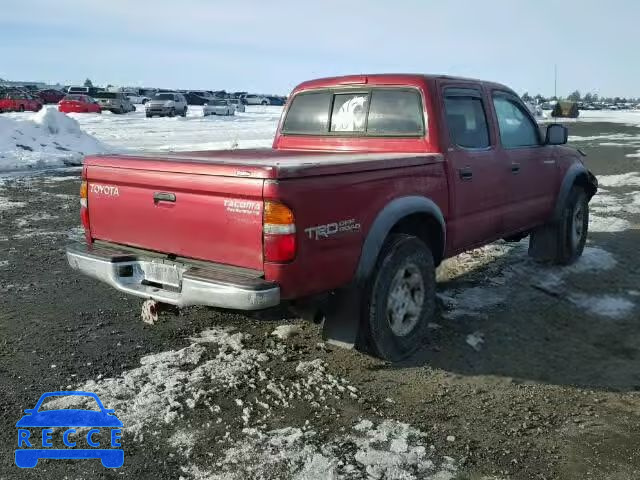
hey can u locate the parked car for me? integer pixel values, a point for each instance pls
(115, 102)
(90, 91)
(218, 107)
(237, 103)
(137, 98)
(78, 103)
(255, 100)
(279, 101)
(198, 98)
(50, 95)
(19, 102)
(438, 165)
(166, 104)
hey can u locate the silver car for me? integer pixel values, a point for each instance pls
(236, 102)
(166, 104)
(218, 107)
(115, 102)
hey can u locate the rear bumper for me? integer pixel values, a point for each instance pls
(216, 286)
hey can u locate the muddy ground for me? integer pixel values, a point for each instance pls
(532, 372)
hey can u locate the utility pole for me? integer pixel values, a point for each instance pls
(555, 80)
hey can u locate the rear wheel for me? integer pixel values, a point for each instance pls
(21, 108)
(264, 102)
(399, 299)
(172, 112)
(184, 112)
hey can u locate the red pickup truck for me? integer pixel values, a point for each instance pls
(371, 182)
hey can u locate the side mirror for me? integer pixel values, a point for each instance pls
(556, 134)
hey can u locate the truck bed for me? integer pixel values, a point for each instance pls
(264, 163)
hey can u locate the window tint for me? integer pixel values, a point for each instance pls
(467, 121)
(349, 112)
(309, 113)
(395, 112)
(516, 128)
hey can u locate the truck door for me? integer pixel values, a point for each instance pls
(476, 174)
(532, 171)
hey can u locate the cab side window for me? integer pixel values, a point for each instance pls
(466, 118)
(516, 127)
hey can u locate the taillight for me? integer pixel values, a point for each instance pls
(84, 210)
(279, 233)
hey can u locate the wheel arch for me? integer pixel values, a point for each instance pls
(576, 175)
(414, 215)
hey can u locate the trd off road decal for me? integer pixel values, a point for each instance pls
(330, 229)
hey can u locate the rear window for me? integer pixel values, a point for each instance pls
(374, 112)
(106, 95)
(163, 96)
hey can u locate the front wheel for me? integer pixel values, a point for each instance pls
(184, 112)
(400, 299)
(563, 241)
(172, 112)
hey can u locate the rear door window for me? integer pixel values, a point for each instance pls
(466, 118)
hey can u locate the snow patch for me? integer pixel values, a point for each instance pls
(621, 180)
(286, 331)
(49, 138)
(475, 340)
(603, 305)
(6, 204)
(608, 224)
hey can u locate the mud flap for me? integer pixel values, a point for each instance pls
(342, 318)
(543, 243)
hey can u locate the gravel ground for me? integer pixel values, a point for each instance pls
(531, 373)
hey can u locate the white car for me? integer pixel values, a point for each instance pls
(237, 103)
(218, 107)
(138, 99)
(256, 100)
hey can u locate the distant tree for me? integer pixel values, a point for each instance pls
(539, 98)
(588, 97)
(109, 86)
(526, 97)
(574, 97)
(88, 83)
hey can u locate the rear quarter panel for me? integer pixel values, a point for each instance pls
(354, 200)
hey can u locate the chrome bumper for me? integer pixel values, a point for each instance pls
(195, 285)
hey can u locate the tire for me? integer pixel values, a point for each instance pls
(399, 299)
(148, 115)
(184, 112)
(172, 112)
(563, 242)
(264, 102)
(21, 108)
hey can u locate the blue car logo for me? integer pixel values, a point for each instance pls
(36, 433)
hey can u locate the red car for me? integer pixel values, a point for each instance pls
(19, 102)
(372, 181)
(76, 103)
(51, 95)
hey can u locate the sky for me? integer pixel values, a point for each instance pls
(270, 46)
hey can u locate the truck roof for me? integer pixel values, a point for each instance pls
(414, 79)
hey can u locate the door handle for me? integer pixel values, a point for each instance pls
(163, 197)
(515, 168)
(465, 173)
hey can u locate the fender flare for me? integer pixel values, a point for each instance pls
(393, 212)
(576, 170)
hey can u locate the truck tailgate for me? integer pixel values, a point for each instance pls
(210, 217)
